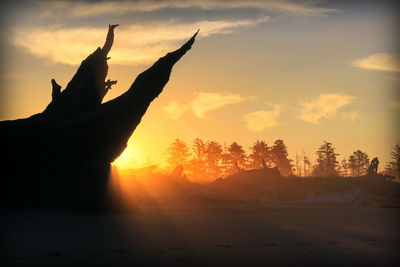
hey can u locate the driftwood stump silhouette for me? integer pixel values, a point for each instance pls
(74, 140)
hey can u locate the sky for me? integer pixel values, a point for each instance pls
(301, 71)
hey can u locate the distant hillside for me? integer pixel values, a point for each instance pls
(269, 186)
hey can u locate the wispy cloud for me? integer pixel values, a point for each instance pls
(379, 61)
(134, 44)
(204, 102)
(144, 42)
(349, 116)
(101, 8)
(395, 104)
(325, 106)
(175, 110)
(208, 101)
(258, 121)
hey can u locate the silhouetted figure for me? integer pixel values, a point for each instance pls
(56, 90)
(373, 167)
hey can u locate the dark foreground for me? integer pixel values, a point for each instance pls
(204, 234)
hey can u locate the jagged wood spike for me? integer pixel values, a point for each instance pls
(76, 132)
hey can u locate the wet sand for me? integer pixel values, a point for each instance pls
(204, 234)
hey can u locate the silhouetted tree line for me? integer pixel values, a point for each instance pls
(393, 167)
(210, 160)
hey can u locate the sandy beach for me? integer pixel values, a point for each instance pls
(204, 234)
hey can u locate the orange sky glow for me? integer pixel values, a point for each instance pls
(303, 72)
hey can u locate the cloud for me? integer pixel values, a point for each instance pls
(379, 61)
(102, 8)
(325, 106)
(259, 120)
(144, 42)
(205, 102)
(349, 116)
(175, 110)
(395, 104)
(134, 44)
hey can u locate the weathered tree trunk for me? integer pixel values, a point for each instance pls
(76, 135)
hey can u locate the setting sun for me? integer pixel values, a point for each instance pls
(200, 133)
(133, 157)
